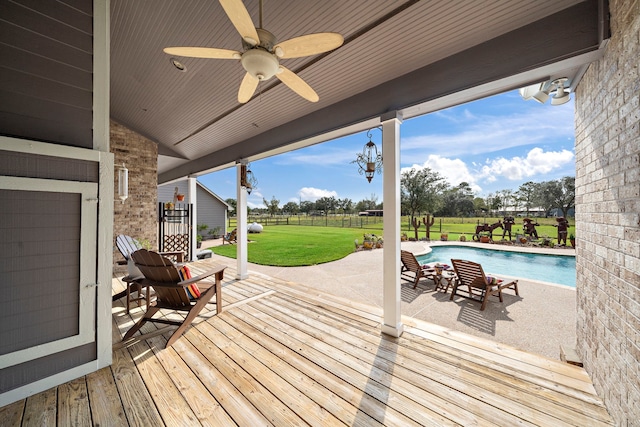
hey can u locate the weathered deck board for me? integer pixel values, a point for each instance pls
(104, 400)
(41, 409)
(285, 354)
(11, 415)
(73, 404)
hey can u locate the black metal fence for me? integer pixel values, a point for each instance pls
(373, 222)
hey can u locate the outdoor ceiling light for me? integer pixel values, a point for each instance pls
(179, 65)
(369, 161)
(540, 92)
(561, 97)
(123, 183)
(541, 96)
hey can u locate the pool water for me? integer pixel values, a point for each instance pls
(547, 268)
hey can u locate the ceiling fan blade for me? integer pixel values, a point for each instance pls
(203, 52)
(241, 19)
(247, 88)
(310, 44)
(296, 84)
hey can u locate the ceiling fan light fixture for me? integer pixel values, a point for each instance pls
(260, 64)
(261, 52)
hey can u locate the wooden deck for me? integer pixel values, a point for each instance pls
(281, 354)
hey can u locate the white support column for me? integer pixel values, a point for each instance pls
(193, 200)
(392, 323)
(241, 214)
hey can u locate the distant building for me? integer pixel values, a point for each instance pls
(210, 208)
(371, 212)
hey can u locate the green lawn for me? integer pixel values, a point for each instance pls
(292, 245)
(298, 245)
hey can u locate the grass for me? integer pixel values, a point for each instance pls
(300, 245)
(292, 245)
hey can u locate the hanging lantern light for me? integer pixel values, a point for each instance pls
(369, 161)
(248, 181)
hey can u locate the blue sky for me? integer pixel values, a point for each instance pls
(495, 143)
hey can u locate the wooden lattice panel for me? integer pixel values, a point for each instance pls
(176, 242)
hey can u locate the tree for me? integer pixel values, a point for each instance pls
(367, 204)
(421, 191)
(307, 206)
(506, 200)
(233, 204)
(549, 193)
(457, 201)
(332, 204)
(480, 206)
(291, 208)
(272, 205)
(527, 196)
(345, 205)
(561, 194)
(493, 202)
(325, 204)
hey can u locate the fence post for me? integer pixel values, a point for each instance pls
(440, 225)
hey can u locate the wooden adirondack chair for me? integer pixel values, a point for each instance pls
(128, 245)
(231, 237)
(472, 275)
(173, 292)
(411, 268)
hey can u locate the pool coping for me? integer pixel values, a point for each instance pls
(562, 251)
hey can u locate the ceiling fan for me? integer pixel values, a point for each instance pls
(262, 53)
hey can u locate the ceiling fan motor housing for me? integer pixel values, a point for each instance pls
(267, 40)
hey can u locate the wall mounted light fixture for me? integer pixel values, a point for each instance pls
(123, 183)
(369, 161)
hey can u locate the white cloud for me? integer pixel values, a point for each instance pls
(312, 194)
(254, 200)
(454, 171)
(487, 133)
(536, 162)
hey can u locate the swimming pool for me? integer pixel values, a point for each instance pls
(547, 268)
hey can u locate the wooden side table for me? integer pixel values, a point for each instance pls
(445, 277)
(135, 282)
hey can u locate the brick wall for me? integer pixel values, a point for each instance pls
(137, 217)
(608, 217)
